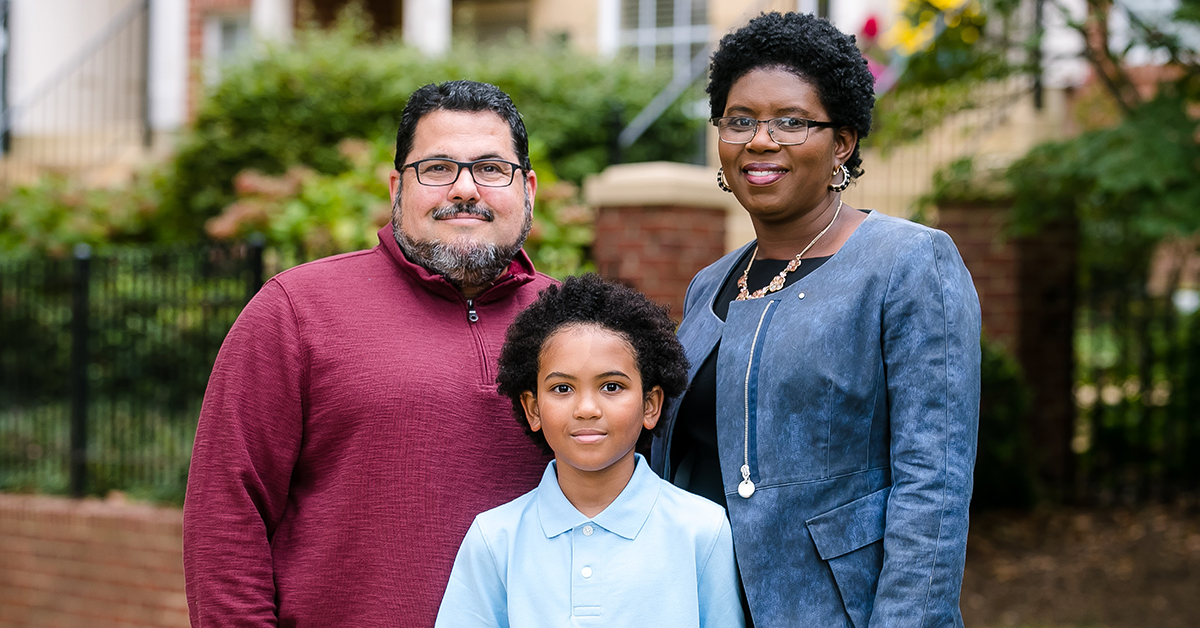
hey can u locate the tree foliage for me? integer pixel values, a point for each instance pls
(1136, 182)
(937, 54)
(290, 106)
(1128, 186)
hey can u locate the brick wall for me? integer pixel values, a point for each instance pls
(978, 231)
(92, 564)
(1047, 271)
(1026, 292)
(658, 249)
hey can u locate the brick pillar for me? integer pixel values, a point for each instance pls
(657, 225)
(978, 231)
(1026, 292)
(1047, 272)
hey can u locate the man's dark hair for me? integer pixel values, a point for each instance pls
(590, 300)
(812, 49)
(469, 96)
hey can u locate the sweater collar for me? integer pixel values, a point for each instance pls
(520, 272)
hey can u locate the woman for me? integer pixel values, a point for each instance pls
(834, 394)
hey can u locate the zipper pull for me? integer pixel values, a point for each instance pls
(472, 315)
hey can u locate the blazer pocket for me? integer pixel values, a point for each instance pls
(849, 539)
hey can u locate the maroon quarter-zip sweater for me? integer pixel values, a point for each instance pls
(350, 432)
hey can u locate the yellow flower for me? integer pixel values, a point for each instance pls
(908, 38)
(947, 5)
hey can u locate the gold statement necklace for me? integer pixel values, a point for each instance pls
(778, 281)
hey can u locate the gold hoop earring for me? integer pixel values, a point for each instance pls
(845, 179)
(721, 180)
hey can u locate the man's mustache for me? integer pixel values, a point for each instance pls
(457, 209)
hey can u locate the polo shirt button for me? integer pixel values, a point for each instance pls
(588, 530)
(587, 572)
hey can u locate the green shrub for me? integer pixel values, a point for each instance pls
(54, 214)
(322, 214)
(292, 105)
(1004, 463)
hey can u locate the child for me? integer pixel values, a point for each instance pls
(602, 541)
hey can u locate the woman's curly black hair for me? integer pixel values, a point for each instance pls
(812, 49)
(590, 300)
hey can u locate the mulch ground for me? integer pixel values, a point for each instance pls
(1115, 568)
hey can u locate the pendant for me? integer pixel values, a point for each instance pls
(746, 488)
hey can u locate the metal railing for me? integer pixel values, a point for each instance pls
(1137, 431)
(88, 113)
(1001, 124)
(104, 361)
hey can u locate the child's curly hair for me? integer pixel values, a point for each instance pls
(590, 300)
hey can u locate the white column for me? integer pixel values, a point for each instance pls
(681, 37)
(849, 17)
(427, 25)
(271, 20)
(806, 6)
(168, 64)
(608, 35)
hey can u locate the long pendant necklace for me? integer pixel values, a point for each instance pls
(778, 281)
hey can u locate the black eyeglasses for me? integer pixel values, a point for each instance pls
(785, 131)
(491, 173)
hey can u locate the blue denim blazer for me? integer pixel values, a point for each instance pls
(853, 398)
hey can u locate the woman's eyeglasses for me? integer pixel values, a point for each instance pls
(785, 131)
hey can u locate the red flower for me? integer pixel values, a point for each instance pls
(870, 29)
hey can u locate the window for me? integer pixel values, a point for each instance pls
(225, 38)
(663, 31)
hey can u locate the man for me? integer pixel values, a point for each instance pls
(351, 429)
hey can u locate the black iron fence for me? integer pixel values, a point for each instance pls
(104, 360)
(1137, 396)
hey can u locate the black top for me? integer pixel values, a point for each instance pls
(695, 465)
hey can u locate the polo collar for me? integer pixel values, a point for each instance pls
(520, 272)
(624, 517)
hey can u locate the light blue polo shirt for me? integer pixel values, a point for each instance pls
(658, 556)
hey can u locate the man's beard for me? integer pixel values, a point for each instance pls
(463, 263)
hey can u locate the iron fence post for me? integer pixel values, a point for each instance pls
(79, 366)
(147, 129)
(254, 283)
(1039, 32)
(6, 133)
(615, 114)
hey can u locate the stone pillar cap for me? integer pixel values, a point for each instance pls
(656, 184)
